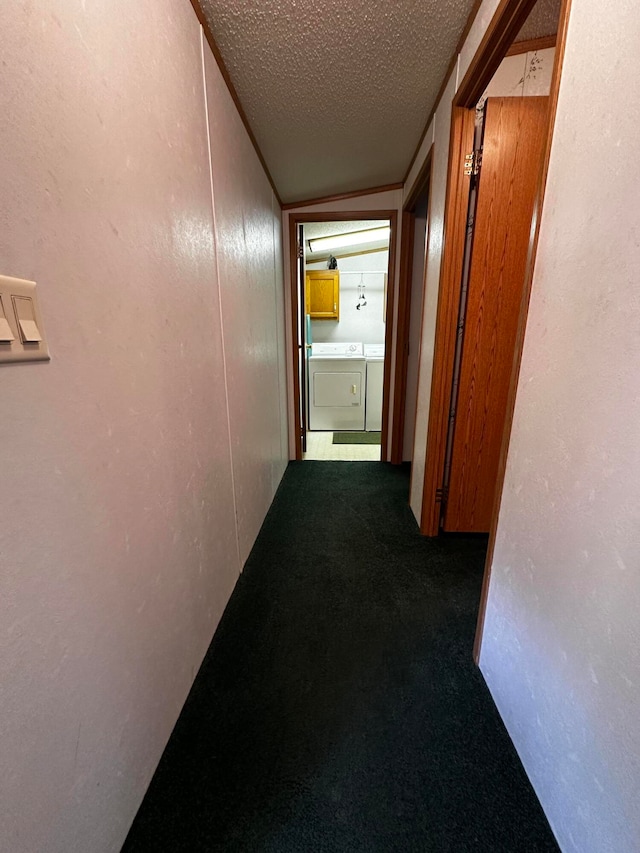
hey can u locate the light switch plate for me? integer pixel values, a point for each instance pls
(24, 320)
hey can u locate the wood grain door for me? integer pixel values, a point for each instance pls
(514, 138)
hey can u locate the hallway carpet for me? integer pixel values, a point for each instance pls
(338, 707)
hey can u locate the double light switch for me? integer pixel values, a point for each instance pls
(21, 329)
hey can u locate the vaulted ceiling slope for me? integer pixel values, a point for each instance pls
(336, 92)
(543, 20)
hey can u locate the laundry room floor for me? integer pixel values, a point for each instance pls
(320, 447)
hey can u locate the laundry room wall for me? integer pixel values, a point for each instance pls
(365, 325)
(139, 462)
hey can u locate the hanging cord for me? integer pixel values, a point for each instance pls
(362, 299)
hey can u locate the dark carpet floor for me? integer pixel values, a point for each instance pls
(338, 707)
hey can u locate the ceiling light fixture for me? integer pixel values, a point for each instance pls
(352, 238)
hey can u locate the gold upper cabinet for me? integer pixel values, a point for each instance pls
(322, 294)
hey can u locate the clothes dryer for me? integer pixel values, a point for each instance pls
(337, 378)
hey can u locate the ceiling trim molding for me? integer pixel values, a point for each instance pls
(450, 69)
(529, 45)
(339, 254)
(232, 91)
(327, 199)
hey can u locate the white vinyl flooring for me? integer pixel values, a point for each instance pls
(320, 446)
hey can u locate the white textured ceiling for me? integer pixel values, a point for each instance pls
(336, 92)
(543, 20)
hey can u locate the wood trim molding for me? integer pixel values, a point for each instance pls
(508, 20)
(215, 50)
(402, 335)
(388, 341)
(340, 216)
(338, 254)
(405, 286)
(563, 24)
(293, 272)
(423, 179)
(455, 222)
(421, 333)
(329, 199)
(542, 43)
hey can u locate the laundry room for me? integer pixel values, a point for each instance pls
(346, 272)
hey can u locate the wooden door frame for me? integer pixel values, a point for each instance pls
(296, 219)
(504, 27)
(423, 181)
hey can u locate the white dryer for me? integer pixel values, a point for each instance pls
(374, 355)
(337, 378)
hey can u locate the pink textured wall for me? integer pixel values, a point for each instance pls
(118, 543)
(245, 207)
(562, 632)
(560, 648)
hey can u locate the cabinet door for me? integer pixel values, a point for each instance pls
(323, 294)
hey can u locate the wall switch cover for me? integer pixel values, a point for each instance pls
(6, 335)
(22, 336)
(26, 317)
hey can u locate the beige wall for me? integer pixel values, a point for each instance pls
(249, 263)
(560, 650)
(118, 545)
(562, 635)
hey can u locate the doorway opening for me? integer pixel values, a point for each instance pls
(411, 298)
(501, 130)
(501, 124)
(346, 268)
(342, 293)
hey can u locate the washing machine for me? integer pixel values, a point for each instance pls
(374, 358)
(337, 379)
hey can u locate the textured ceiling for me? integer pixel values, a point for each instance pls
(543, 20)
(337, 92)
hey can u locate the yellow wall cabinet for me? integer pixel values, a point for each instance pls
(322, 294)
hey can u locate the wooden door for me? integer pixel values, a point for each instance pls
(514, 138)
(323, 294)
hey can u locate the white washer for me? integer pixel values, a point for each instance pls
(374, 355)
(337, 379)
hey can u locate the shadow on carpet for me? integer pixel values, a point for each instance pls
(338, 707)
